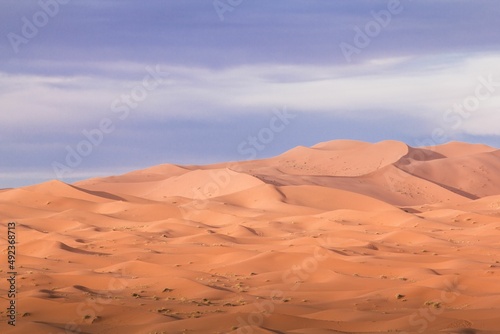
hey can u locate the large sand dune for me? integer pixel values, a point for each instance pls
(341, 237)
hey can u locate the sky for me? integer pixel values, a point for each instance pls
(92, 88)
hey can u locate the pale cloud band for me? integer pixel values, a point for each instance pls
(424, 87)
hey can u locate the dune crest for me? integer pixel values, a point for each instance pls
(342, 158)
(341, 237)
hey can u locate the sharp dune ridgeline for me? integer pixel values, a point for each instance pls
(341, 237)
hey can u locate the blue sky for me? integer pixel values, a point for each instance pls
(193, 81)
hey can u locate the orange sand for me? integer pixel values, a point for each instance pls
(342, 237)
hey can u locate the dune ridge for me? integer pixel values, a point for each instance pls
(341, 237)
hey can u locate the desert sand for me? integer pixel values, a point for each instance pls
(341, 237)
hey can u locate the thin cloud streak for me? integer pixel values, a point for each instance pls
(413, 87)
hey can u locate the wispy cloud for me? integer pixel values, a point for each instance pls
(424, 87)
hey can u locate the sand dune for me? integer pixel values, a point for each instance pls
(341, 237)
(342, 158)
(471, 176)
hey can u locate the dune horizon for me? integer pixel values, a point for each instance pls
(344, 236)
(97, 174)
